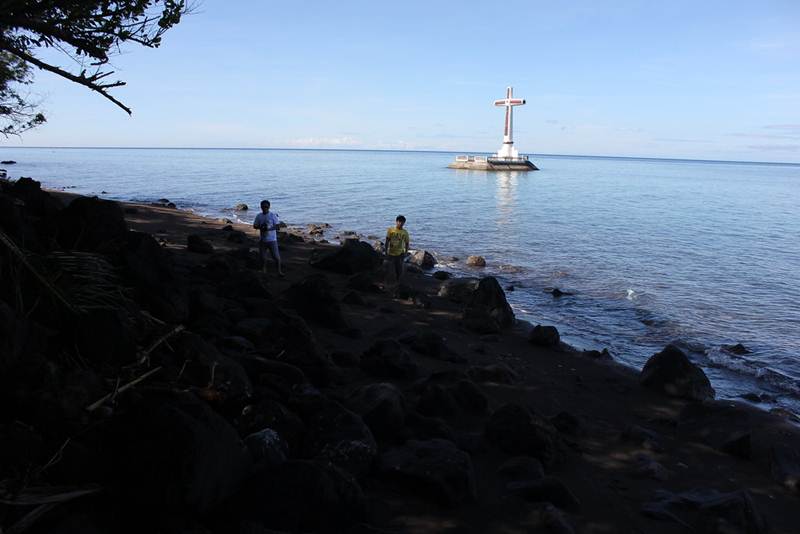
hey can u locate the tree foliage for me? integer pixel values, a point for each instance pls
(85, 33)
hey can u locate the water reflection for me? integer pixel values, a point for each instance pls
(506, 195)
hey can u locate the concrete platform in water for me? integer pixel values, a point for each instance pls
(482, 163)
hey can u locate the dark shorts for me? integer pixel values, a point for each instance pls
(272, 247)
(396, 264)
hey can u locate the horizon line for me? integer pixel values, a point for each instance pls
(431, 151)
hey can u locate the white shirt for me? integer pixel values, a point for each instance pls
(271, 220)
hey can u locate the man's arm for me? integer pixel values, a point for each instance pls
(408, 242)
(255, 223)
(386, 244)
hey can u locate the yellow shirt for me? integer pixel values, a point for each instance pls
(398, 241)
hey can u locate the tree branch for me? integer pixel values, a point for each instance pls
(82, 80)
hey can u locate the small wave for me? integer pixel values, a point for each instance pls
(718, 357)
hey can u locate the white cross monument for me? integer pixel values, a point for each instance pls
(508, 150)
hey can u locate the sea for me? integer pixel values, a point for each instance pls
(702, 254)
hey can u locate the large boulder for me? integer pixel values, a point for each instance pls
(196, 243)
(303, 496)
(708, 510)
(314, 300)
(459, 289)
(352, 257)
(292, 338)
(107, 335)
(544, 336)
(422, 259)
(545, 489)
(91, 224)
(517, 430)
(498, 373)
(388, 359)
(337, 435)
(436, 468)
(201, 361)
(266, 447)
(445, 394)
(382, 406)
(429, 343)
(272, 414)
(173, 452)
(149, 268)
(488, 310)
(37, 202)
(671, 372)
(476, 261)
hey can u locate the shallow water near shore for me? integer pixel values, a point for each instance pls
(703, 254)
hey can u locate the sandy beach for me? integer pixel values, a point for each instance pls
(154, 380)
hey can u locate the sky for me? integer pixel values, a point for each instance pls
(680, 79)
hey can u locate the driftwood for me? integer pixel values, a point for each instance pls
(145, 355)
(44, 498)
(95, 405)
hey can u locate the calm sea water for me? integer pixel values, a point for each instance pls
(655, 251)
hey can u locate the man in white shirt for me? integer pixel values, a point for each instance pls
(268, 223)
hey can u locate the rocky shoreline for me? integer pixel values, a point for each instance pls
(152, 379)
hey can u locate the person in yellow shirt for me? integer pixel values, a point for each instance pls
(396, 246)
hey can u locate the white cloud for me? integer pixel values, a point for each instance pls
(325, 142)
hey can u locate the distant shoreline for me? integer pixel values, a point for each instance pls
(320, 149)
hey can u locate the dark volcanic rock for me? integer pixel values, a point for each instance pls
(341, 437)
(195, 243)
(90, 224)
(708, 510)
(269, 413)
(387, 358)
(498, 373)
(382, 406)
(476, 261)
(151, 271)
(422, 259)
(266, 447)
(173, 451)
(442, 275)
(459, 289)
(299, 347)
(429, 343)
(354, 299)
(37, 202)
(303, 496)
(422, 427)
(521, 468)
(314, 301)
(106, 335)
(436, 467)
(566, 423)
(671, 372)
(488, 310)
(365, 282)
(597, 354)
(737, 349)
(352, 257)
(546, 489)
(517, 430)
(446, 394)
(544, 336)
(201, 361)
(784, 464)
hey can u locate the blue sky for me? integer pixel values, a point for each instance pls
(714, 80)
